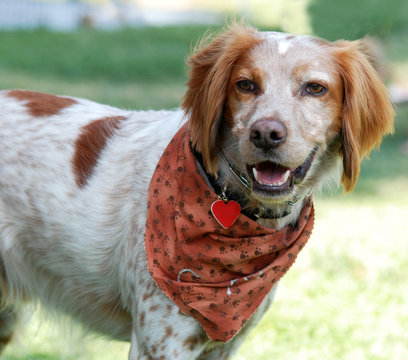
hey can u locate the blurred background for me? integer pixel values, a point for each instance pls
(345, 298)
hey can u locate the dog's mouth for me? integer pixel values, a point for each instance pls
(276, 179)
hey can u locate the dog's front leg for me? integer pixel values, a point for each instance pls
(133, 353)
(161, 331)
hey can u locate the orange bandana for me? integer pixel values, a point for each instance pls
(218, 276)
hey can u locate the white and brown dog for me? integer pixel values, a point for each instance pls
(270, 117)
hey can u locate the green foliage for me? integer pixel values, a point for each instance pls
(351, 19)
(33, 356)
(119, 56)
(132, 68)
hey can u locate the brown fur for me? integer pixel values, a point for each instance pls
(211, 67)
(367, 112)
(89, 145)
(40, 104)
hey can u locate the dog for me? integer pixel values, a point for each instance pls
(92, 197)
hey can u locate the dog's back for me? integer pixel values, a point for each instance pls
(67, 208)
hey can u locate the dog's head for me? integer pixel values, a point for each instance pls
(284, 109)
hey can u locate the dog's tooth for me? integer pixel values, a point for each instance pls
(286, 176)
(255, 173)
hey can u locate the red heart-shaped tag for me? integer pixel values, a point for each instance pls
(225, 212)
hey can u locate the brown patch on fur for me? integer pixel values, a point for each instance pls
(191, 342)
(244, 69)
(211, 68)
(40, 104)
(148, 295)
(367, 113)
(90, 144)
(142, 319)
(169, 331)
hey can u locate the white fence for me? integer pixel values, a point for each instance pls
(70, 15)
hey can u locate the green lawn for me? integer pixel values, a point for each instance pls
(138, 69)
(345, 296)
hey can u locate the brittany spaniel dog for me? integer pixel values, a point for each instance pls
(171, 229)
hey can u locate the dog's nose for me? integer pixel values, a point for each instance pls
(268, 134)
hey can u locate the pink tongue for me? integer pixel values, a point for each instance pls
(269, 173)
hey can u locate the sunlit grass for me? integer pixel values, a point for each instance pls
(345, 296)
(43, 338)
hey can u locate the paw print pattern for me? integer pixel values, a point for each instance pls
(244, 255)
(198, 264)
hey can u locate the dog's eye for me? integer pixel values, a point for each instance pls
(315, 89)
(246, 85)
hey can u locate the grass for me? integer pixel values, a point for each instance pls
(343, 299)
(136, 69)
(351, 20)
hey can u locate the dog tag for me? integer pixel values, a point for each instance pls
(225, 212)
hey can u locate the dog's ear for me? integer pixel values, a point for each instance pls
(210, 68)
(367, 113)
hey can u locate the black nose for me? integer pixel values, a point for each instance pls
(268, 134)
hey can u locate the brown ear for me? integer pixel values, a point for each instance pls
(211, 67)
(367, 112)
